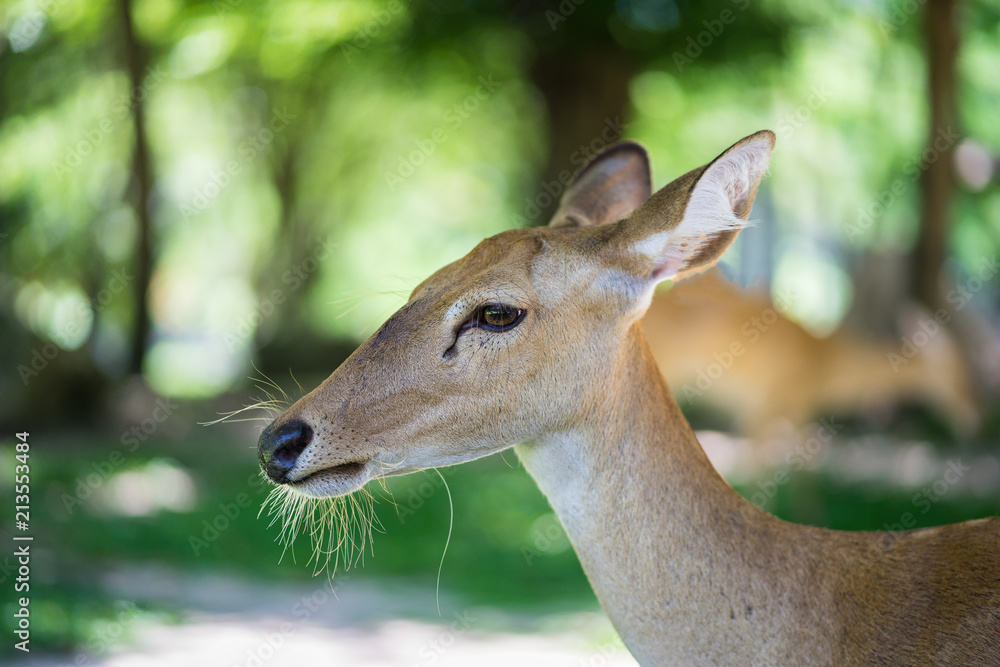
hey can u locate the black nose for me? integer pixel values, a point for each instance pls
(279, 448)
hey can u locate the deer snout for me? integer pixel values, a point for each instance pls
(279, 448)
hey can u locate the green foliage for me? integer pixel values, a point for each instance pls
(314, 160)
(506, 547)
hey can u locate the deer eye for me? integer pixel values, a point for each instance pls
(497, 317)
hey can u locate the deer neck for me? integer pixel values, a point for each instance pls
(666, 543)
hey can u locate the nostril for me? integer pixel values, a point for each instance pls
(291, 441)
(280, 448)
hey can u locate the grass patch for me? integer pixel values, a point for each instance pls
(507, 549)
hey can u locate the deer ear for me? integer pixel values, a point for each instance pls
(686, 227)
(607, 189)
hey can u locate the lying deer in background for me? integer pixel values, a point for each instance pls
(731, 348)
(533, 340)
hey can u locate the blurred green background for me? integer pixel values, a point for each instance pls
(200, 199)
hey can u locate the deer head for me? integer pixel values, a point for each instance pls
(514, 340)
(533, 340)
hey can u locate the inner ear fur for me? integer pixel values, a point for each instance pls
(685, 227)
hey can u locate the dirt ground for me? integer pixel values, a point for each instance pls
(232, 622)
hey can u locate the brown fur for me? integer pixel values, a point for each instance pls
(785, 373)
(688, 571)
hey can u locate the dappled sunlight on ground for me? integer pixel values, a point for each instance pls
(228, 621)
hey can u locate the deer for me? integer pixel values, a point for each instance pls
(533, 341)
(734, 349)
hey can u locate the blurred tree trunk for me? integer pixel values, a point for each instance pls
(930, 282)
(586, 97)
(136, 60)
(293, 241)
(937, 183)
